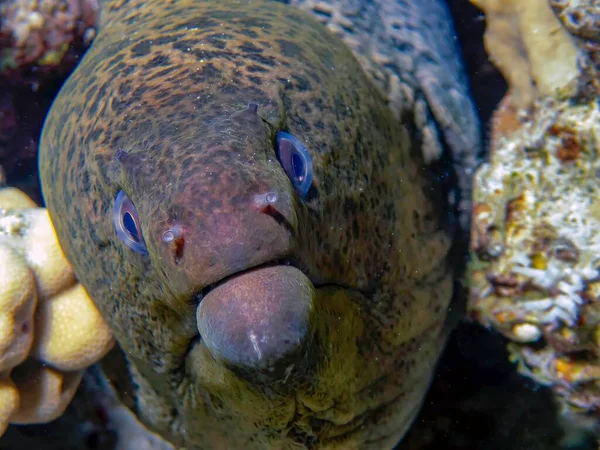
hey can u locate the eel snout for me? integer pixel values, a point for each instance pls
(259, 321)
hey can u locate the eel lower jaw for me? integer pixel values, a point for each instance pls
(257, 319)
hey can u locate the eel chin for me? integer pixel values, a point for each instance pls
(258, 320)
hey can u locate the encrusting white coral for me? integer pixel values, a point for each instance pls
(50, 329)
(535, 241)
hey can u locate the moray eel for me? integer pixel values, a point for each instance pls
(255, 223)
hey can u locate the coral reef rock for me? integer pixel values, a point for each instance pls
(535, 240)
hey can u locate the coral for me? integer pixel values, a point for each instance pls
(70, 334)
(9, 401)
(30, 232)
(535, 240)
(44, 393)
(580, 17)
(41, 31)
(12, 198)
(533, 51)
(49, 328)
(18, 299)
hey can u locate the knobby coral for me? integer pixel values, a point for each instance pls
(49, 328)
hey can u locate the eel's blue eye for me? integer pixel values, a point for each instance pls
(127, 224)
(296, 162)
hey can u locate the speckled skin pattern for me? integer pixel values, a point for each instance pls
(410, 51)
(158, 108)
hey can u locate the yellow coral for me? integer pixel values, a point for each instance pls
(70, 333)
(43, 347)
(13, 198)
(9, 401)
(17, 305)
(44, 393)
(33, 236)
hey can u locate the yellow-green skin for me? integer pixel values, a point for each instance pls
(357, 274)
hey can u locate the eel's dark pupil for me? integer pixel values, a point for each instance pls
(298, 166)
(130, 226)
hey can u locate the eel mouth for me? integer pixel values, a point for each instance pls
(256, 318)
(200, 295)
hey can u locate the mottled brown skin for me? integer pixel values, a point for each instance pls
(158, 108)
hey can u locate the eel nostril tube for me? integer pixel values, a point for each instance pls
(266, 202)
(174, 236)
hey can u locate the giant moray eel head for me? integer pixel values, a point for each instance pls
(215, 203)
(252, 222)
